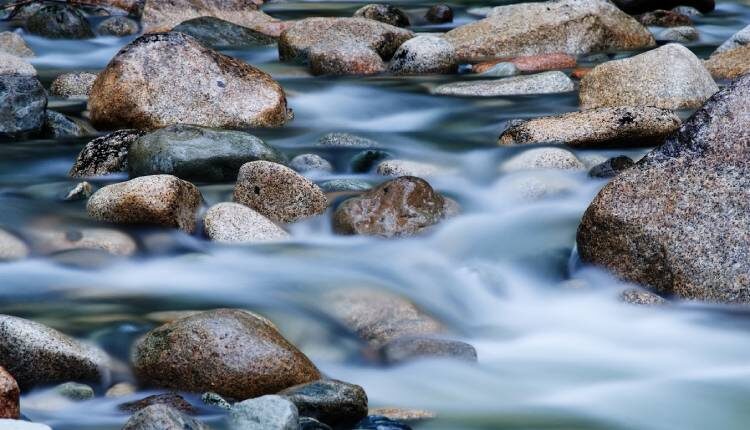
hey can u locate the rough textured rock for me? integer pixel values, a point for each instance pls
(400, 207)
(346, 140)
(336, 403)
(439, 13)
(569, 26)
(540, 83)
(677, 221)
(105, 155)
(596, 128)
(236, 223)
(498, 70)
(159, 15)
(76, 84)
(167, 78)
(14, 44)
(738, 40)
(215, 32)
(543, 158)
(308, 162)
(22, 105)
(531, 63)
(36, 354)
(641, 6)
(57, 125)
(118, 26)
(199, 353)
(636, 296)
(729, 64)
(132, 7)
(59, 21)
(669, 77)
(162, 200)
(407, 168)
(416, 347)
(664, 18)
(384, 13)
(13, 65)
(344, 59)
(49, 241)
(278, 192)
(424, 55)
(173, 400)
(11, 247)
(162, 417)
(611, 167)
(197, 153)
(264, 413)
(9, 396)
(678, 34)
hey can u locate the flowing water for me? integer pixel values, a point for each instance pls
(557, 349)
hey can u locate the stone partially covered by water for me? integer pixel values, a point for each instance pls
(161, 16)
(235, 223)
(336, 403)
(162, 417)
(540, 83)
(9, 396)
(268, 412)
(14, 44)
(59, 21)
(215, 32)
(424, 55)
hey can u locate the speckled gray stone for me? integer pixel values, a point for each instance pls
(501, 70)
(569, 26)
(424, 55)
(669, 77)
(637, 296)
(278, 192)
(678, 221)
(540, 83)
(346, 140)
(13, 65)
(36, 354)
(336, 403)
(11, 247)
(344, 58)
(596, 128)
(118, 26)
(235, 223)
(738, 40)
(57, 125)
(162, 417)
(22, 105)
(264, 413)
(14, 44)
(307, 162)
(165, 15)
(75, 84)
(105, 155)
(384, 13)
(542, 158)
(49, 241)
(408, 168)
(162, 200)
(678, 34)
(415, 347)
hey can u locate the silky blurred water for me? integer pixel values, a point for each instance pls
(557, 349)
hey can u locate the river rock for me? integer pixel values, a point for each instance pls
(167, 78)
(199, 353)
(37, 355)
(11, 247)
(664, 18)
(264, 413)
(415, 347)
(76, 84)
(197, 153)
(9, 396)
(543, 158)
(346, 140)
(403, 414)
(173, 400)
(278, 192)
(131, 7)
(57, 125)
(570, 26)
(669, 77)
(217, 33)
(49, 241)
(105, 155)
(117, 26)
(162, 417)
(407, 168)
(531, 63)
(678, 34)
(161, 15)
(336, 403)
(75, 391)
(738, 40)
(308, 162)
(439, 13)
(22, 105)
(162, 200)
(677, 220)
(637, 296)
(502, 69)
(14, 44)
(596, 128)
(383, 13)
(424, 55)
(611, 167)
(375, 422)
(307, 423)
(236, 223)
(641, 6)
(13, 65)
(540, 83)
(345, 59)
(729, 64)
(59, 21)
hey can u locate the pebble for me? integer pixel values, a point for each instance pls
(424, 55)
(611, 167)
(11, 247)
(345, 59)
(162, 417)
(105, 155)
(345, 185)
(664, 18)
(540, 83)
(9, 396)
(117, 26)
(439, 14)
(59, 21)
(336, 403)
(235, 223)
(121, 389)
(76, 84)
(307, 162)
(542, 158)
(213, 399)
(532, 63)
(264, 413)
(404, 415)
(14, 44)
(217, 33)
(384, 13)
(75, 391)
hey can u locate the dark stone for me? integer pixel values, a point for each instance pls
(611, 167)
(59, 21)
(634, 7)
(105, 155)
(22, 105)
(217, 33)
(664, 18)
(162, 417)
(439, 13)
(415, 347)
(377, 422)
(173, 400)
(384, 13)
(307, 423)
(365, 161)
(118, 26)
(58, 125)
(333, 402)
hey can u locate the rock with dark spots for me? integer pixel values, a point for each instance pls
(383, 13)
(75, 391)
(57, 125)
(415, 347)
(364, 161)
(596, 128)
(76, 84)
(38, 355)
(376, 422)
(235, 223)
(164, 15)
(611, 167)
(118, 26)
(13, 65)
(162, 417)
(173, 400)
(197, 153)
(637, 296)
(49, 240)
(105, 155)
(307, 423)
(729, 64)
(346, 140)
(22, 105)
(570, 26)
(131, 7)
(540, 83)
(199, 353)
(669, 77)
(336, 403)
(403, 206)
(14, 44)
(217, 33)
(162, 200)
(9, 396)
(168, 78)
(424, 55)
(542, 158)
(11, 247)
(344, 59)
(278, 192)
(308, 162)
(664, 18)
(264, 413)
(678, 220)
(678, 34)
(641, 6)
(439, 13)
(396, 167)
(213, 399)
(59, 21)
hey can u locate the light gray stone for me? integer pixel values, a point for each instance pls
(235, 223)
(540, 83)
(264, 413)
(424, 55)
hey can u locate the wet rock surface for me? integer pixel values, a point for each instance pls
(105, 155)
(173, 400)
(14, 44)
(117, 26)
(59, 21)
(264, 413)
(414, 347)
(636, 296)
(729, 64)
(162, 417)
(22, 105)
(540, 83)
(216, 33)
(611, 167)
(236, 223)
(336, 403)
(159, 16)
(384, 13)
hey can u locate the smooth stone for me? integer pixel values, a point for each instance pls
(637, 296)
(596, 128)
(76, 84)
(213, 399)
(344, 185)
(533, 63)
(336, 403)
(678, 34)
(173, 400)
(159, 16)
(439, 14)
(105, 155)
(308, 162)
(408, 168)
(540, 83)
(344, 59)
(664, 18)
(117, 26)
(10, 396)
(197, 153)
(542, 158)
(217, 33)
(738, 40)
(162, 417)
(121, 389)
(570, 26)
(611, 167)
(22, 105)
(199, 353)
(375, 422)
(419, 347)
(264, 413)
(75, 391)
(364, 161)
(57, 125)
(501, 70)
(14, 44)
(235, 223)
(38, 355)
(11, 247)
(167, 78)
(346, 140)
(162, 200)
(81, 191)
(669, 77)
(6, 424)
(424, 55)
(402, 414)
(14, 65)
(729, 64)
(50, 241)
(278, 192)
(384, 13)
(307, 423)
(59, 21)
(641, 6)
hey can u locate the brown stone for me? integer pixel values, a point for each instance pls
(345, 59)
(172, 400)
(133, 7)
(9, 396)
(532, 63)
(580, 72)
(729, 64)
(664, 18)
(160, 15)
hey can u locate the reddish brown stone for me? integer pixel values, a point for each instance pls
(9, 396)
(532, 63)
(580, 72)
